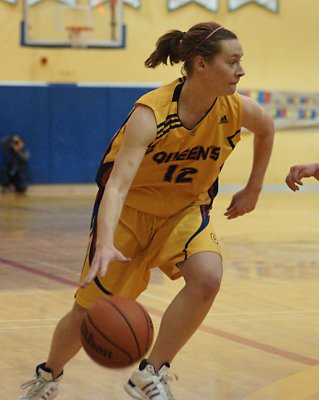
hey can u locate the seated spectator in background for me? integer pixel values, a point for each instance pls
(15, 173)
(297, 172)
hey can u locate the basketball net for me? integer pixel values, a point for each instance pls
(78, 35)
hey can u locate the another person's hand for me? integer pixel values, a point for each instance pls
(297, 172)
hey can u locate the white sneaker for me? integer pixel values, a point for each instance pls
(146, 383)
(42, 386)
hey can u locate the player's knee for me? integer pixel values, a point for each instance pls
(203, 275)
(210, 284)
(207, 283)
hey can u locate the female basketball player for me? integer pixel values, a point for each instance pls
(297, 172)
(157, 182)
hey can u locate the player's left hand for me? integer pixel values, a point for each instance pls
(242, 203)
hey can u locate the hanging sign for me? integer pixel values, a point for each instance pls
(271, 5)
(133, 3)
(211, 5)
(72, 3)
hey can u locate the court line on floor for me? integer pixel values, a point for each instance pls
(35, 271)
(250, 342)
(54, 266)
(33, 209)
(236, 313)
(214, 331)
(299, 386)
(25, 328)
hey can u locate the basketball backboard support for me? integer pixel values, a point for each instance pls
(73, 23)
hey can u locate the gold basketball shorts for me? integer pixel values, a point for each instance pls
(150, 242)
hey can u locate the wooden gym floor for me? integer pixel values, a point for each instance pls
(259, 342)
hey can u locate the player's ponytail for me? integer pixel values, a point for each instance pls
(167, 49)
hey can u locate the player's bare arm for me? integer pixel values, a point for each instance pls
(140, 132)
(256, 120)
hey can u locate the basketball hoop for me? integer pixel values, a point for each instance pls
(78, 35)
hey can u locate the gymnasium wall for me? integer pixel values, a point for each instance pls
(70, 107)
(281, 49)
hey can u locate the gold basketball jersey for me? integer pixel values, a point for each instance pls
(181, 166)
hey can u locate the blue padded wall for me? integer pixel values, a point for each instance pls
(24, 111)
(66, 127)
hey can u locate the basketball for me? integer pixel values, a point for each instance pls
(116, 332)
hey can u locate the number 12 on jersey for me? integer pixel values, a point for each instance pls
(179, 175)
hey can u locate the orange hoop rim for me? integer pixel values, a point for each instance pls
(78, 28)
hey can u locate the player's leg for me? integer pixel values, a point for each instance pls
(126, 279)
(66, 340)
(202, 273)
(64, 345)
(192, 250)
(184, 246)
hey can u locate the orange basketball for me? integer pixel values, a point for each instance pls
(116, 332)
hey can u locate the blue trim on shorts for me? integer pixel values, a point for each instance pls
(94, 224)
(93, 235)
(205, 221)
(101, 287)
(213, 191)
(204, 209)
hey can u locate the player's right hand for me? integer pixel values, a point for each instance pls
(102, 257)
